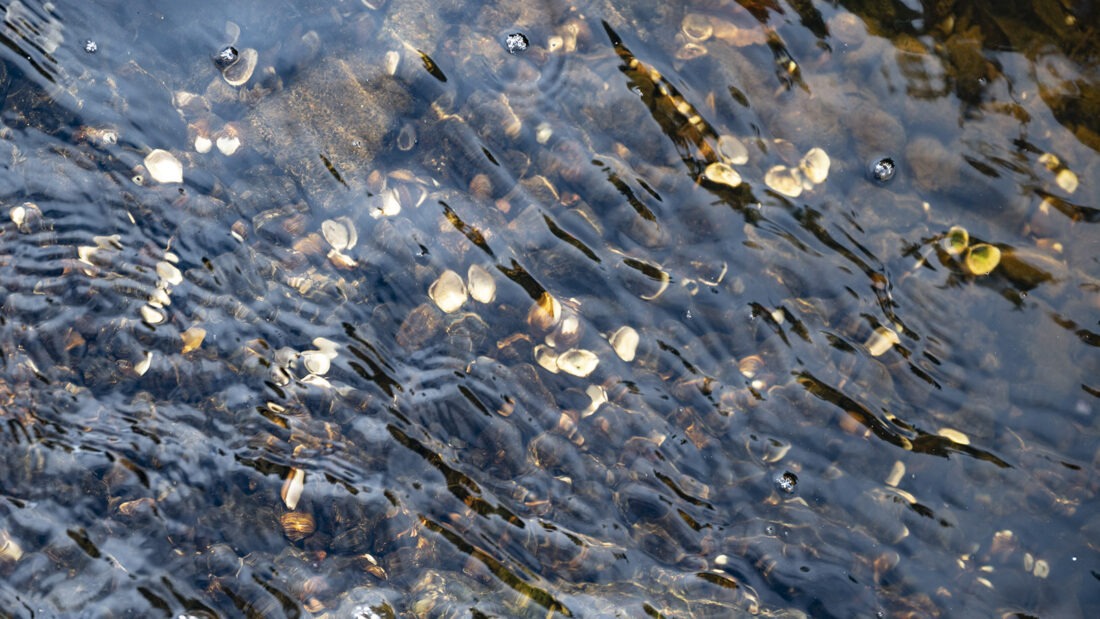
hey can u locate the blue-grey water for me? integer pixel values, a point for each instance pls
(239, 393)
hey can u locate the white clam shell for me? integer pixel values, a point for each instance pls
(159, 298)
(480, 284)
(815, 165)
(316, 362)
(547, 358)
(390, 205)
(163, 167)
(152, 315)
(732, 150)
(782, 179)
(203, 144)
(326, 346)
(227, 144)
(241, 71)
(625, 342)
(448, 292)
(722, 173)
(141, 367)
(1067, 180)
(882, 340)
(293, 486)
(578, 362)
(340, 233)
(169, 273)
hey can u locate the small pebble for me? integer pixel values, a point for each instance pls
(516, 43)
(786, 482)
(226, 57)
(883, 169)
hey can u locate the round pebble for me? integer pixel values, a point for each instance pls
(516, 43)
(883, 169)
(787, 482)
(226, 57)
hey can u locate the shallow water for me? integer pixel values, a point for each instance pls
(769, 449)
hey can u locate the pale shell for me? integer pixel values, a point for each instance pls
(314, 380)
(882, 340)
(326, 346)
(316, 362)
(480, 284)
(340, 233)
(782, 179)
(625, 342)
(163, 167)
(567, 332)
(9, 548)
(227, 144)
(241, 71)
(292, 488)
(732, 150)
(152, 315)
(192, 338)
(141, 367)
(159, 297)
(578, 362)
(545, 313)
(599, 397)
(1067, 180)
(390, 61)
(896, 473)
(448, 292)
(696, 27)
(203, 144)
(722, 174)
(169, 273)
(815, 165)
(954, 436)
(390, 206)
(546, 358)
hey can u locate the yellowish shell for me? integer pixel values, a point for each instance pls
(448, 292)
(783, 180)
(882, 340)
(982, 258)
(297, 525)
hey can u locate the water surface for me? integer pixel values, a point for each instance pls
(828, 414)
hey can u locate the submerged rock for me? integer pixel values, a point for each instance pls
(327, 128)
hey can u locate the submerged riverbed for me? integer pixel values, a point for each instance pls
(477, 309)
